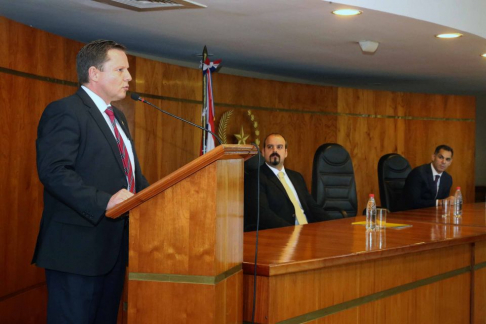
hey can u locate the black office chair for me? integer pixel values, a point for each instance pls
(333, 182)
(393, 170)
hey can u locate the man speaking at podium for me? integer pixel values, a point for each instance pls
(87, 163)
(284, 198)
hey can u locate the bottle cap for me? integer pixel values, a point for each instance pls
(458, 188)
(372, 195)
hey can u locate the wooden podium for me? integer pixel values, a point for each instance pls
(186, 242)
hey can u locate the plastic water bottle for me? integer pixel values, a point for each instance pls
(371, 213)
(458, 202)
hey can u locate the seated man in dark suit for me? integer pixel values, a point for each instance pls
(280, 190)
(429, 183)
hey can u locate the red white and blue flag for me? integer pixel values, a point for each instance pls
(208, 140)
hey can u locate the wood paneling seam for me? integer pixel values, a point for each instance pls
(191, 101)
(297, 111)
(479, 266)
(21, 291)
(217, 104)
(328, 113)
(38, 77)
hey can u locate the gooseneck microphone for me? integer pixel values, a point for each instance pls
(135, 96)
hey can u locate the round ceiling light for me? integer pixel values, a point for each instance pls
(347, 12)
(450, 35)
(483, 55)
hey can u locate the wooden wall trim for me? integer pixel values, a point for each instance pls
(189, 279)
(298, 111)
(182, 100)
(29, 307)
(235, 106)
(21, 291)
(38, 77)
(329, 113)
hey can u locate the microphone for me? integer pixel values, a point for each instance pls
(135, 96)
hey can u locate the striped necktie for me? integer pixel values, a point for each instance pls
(127, 166)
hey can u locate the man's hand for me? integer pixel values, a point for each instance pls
(118, 198)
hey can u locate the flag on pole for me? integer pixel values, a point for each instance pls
(208, 140)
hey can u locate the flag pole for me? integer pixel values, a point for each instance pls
(204, 101)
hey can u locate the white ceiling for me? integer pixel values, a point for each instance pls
(291, 40)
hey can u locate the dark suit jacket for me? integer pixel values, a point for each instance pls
(419, 187)
(276, 209)
(79, 164)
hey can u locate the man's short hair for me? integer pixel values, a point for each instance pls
(94, 54)
(274, 134)
(445, 148)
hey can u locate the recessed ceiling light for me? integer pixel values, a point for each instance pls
(451, 35)
(347, 12)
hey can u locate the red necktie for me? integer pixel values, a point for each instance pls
(127, 166)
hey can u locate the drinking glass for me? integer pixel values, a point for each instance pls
(381, 217)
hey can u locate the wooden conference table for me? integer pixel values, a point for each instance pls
(335, 272)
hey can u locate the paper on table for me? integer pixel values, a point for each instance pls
(387, 225)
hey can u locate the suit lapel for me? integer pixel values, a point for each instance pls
(101, 122)
(430, 178)
(441, 184)
(274, 179)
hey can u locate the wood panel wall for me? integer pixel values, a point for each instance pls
(27, 52)
(37, 67)
(369, 124)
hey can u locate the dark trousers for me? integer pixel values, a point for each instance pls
(78, 299)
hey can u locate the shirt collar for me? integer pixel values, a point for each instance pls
(275, 170)
(100, 103)
(434, 172)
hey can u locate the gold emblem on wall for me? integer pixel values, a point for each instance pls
(241, 137)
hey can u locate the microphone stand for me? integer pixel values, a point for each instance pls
(135, 96)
